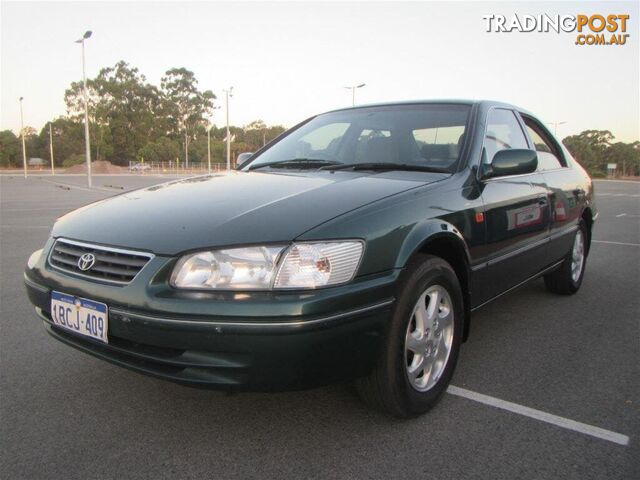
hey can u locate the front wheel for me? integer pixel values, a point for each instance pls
(423, 341)
(566, 280)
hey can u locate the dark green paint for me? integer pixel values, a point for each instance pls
(230, 339)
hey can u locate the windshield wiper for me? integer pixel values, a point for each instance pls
(387, 166)
(296, 163)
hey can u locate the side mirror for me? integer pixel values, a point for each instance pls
(243, 158)
(510, 162)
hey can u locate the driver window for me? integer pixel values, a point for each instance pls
(503, 132)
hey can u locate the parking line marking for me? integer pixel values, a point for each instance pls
(561, 422)
(35, 209)
(621, 215)
(630, 195)
(616, 243)
(24, 226)
(79, 187)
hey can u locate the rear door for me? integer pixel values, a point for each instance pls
(516, 211)
(563, 185)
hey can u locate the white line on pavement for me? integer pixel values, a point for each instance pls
(24, 226)
(621, 215)
(603, 180)
(37, 209)
(598, 195)
(616, 243)
(79, 187)
(561, 422)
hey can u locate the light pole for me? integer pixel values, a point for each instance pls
(24, 148)
(209, 139)
(86, 35)
(555, 127)
(53, 168)
(353, 92)
(186, 144)
(229, 93)
(209, 147)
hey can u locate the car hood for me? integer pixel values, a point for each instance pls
(237, 208)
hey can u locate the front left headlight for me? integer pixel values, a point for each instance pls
(34, 259)
(305, 265)
(248, 268)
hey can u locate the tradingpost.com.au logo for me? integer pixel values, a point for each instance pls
(591, 29)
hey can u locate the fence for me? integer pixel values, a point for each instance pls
(175, 168)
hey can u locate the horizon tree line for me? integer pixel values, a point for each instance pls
(131, 119)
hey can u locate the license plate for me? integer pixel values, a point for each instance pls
(80, 315)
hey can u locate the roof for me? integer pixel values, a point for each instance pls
(457, 101)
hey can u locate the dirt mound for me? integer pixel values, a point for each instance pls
(100, 166)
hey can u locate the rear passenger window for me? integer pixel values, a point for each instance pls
(503, 132)
(547, 154)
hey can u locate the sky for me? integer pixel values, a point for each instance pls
(288, 61)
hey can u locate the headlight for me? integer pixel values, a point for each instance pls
(34, 258)
(234, 268)
(303, 266)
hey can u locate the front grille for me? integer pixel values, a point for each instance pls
(111, 264)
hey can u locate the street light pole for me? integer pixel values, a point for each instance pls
(209, 147)
(209, 127)
(229, 93)
(555, 127)
(24, 148)
(353, 92)
(86, 35)
(53, 168)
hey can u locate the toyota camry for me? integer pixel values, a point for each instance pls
(356, 246)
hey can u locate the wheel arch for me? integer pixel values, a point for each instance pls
(440, 238)
(587, 216)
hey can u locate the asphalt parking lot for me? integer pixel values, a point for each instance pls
(67, 415)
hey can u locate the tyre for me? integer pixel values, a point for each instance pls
(421, 349)
(566, 280)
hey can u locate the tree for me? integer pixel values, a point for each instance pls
(161, 150)
(125, 112)
(594, 150)
(74, 100)
(588, 148)
(626, 156)
(185, 104)
(68, 139)
(10, 149)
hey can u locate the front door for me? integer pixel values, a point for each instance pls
(517, 212)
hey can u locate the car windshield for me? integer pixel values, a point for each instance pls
(427, 136)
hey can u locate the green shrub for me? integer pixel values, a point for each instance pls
(74, 159)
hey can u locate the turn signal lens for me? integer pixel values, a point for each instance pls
(313, 265)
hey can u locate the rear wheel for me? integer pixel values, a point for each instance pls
(566, 280)
(423, 341)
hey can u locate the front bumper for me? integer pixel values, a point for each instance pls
(250, 341)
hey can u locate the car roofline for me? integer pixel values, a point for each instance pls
(486, 103)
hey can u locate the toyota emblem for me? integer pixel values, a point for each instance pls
(86, 261)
